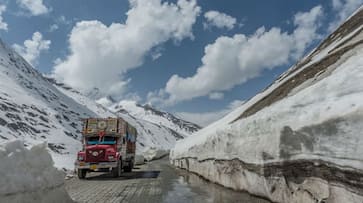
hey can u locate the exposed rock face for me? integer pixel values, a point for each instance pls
(300, 140)
(182, 124)
(35, 111)
(177, 126)
(286, 181)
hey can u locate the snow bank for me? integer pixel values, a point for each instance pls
(139, 159)
(28, 175)
(333, 100)
(333, 103)
(303, 147)
(154, 153)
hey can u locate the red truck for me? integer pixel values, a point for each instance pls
(109, 144)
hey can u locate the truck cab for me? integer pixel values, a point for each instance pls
(108, 145)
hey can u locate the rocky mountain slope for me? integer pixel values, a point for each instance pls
(300, 140)
(36, 109)
(156, 129)
(148, 113)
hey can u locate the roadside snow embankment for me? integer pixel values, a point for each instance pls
(301, 139)
(139, 159)
(149, 154)
(153, 154)
(28, 175)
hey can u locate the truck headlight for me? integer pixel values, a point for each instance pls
(80, 158)
(111, 157)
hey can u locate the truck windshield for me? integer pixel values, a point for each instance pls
(105, 140)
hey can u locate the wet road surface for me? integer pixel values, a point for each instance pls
(156, 181)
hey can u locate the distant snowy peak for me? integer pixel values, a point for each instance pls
(59, 84)
(174, 126)
(189, 126)
(149, 113)
(93, 94)
(106, 101)
(154, 132)
(128, 107)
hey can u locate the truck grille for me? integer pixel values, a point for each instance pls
(95, 155)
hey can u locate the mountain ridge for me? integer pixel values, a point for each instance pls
(36, 109)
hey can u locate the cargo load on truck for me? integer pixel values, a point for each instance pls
(108, 144)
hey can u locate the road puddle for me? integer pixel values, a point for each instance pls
(189, 187)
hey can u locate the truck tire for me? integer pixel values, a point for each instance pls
(116, 172)
(81, 173)
(129, 167)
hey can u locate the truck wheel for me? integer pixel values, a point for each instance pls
(116, 172)
(129, 167)
(81, 173)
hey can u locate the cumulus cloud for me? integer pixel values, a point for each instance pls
(35, 7)
(216, 95)
(206, 118)
(156, 53)
(100, 55)
(231, 61)
(343, 9)
(63, 20)
(3, 25)
(32, 48)
(219, 20)
(53, 28)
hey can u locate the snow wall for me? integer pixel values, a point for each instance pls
(28, 175)
(301, 139)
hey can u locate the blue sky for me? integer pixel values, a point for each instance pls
(155, 51)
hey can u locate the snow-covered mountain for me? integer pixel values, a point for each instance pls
(156, 129)
(37, 109)
(301, 139)
(148, 113)
(34, 111)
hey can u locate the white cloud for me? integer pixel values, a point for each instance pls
(216, 95)
(35, 7)
(63, 20)
(32, 48)
(133, 97)
(100, 55)
(53, 28)
(343, 9)
(156, 55)
(105, 101)
(3, 25)
(206, 118)
(157, 97)
(219, 20)
(57, 61)
(231, 61)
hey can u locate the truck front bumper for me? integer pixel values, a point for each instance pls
(95, 166)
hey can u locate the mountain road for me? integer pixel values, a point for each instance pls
(156, 181)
